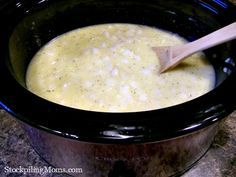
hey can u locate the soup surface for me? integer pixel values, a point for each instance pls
(112, 68)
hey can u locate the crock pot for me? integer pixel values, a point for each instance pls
(163, 142)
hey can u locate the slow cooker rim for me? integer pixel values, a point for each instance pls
(15, 104)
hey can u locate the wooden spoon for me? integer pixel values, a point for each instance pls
(171, 56)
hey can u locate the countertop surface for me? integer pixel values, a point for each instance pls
(15, 151)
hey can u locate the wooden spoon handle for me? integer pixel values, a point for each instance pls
(217, 37)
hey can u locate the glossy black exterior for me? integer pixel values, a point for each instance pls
(26, 25)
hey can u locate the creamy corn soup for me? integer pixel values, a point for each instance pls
(112, 68)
